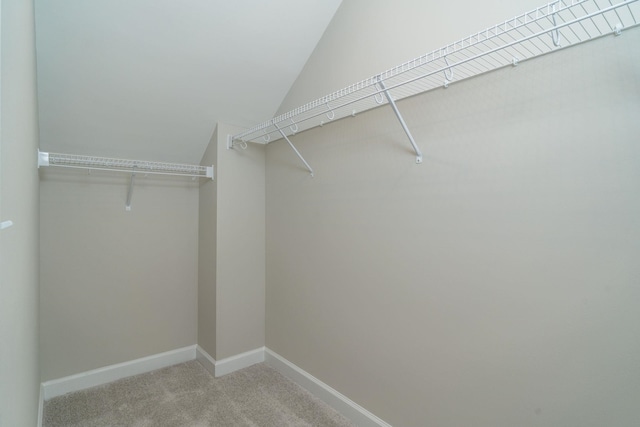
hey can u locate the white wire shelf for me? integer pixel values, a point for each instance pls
(122, 165)
(556, 25)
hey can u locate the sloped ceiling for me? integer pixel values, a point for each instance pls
(149, 79)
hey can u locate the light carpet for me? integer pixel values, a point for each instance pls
(188, 395)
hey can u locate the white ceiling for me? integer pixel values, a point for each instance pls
(149, 79)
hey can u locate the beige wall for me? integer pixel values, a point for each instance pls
(19, 377)
(115, 285)
(494, 284)
(186, 264)
(231, 294)
(240, 270)
(207, 251)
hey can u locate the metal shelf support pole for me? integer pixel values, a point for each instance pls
(402, 122)
(294, 149)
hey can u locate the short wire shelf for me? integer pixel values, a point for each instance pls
(133, 167)
(123, 165)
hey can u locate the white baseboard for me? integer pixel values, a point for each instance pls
(206, 360)
(342, 404)
(230, 364)
(111, 373)
(40, 405)
(239, 361)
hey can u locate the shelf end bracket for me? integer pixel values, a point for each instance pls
(401, 120)
(43, 159)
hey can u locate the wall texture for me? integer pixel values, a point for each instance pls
(19, 377)
(115, 285)
(494, 284)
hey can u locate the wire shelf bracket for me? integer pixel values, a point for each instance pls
(400, 119)
(554, 26)
(294, 149)
(122, 165)
(231, 144)
(127, 206)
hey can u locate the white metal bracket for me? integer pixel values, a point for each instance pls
(231, 143)
(43, 159)
(127, 206)
(294, 149)
(555, 33)
(617, 30)
(209, 173)
(402, 122)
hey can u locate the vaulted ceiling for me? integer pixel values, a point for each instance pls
(149, 79)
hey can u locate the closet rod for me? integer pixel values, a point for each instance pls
(556, 25)
(123, 165)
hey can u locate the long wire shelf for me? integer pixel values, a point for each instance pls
(123, 165)
(556, 25)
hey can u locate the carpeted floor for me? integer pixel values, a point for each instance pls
(187, 395)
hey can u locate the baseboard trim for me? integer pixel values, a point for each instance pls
(218, 368)
(115, 372)
(230, 364)
(40, 405)
(342, 404)
(239, 361)
(206, 360)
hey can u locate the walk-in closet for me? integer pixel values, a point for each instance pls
(338, 213)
